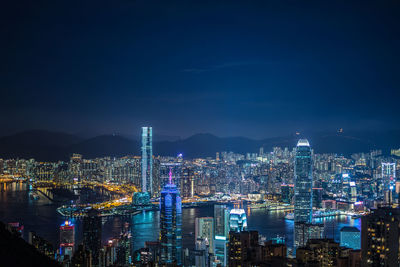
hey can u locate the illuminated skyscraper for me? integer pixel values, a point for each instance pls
(204, 229)
(67, 238)
(147, 160)
(302, 187)
(221, 221)
(237, 220)
(171, 225)
(187, 183)
(388, 180)
(221, 233)
(176, 168)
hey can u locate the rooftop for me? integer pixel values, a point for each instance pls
(303, 142)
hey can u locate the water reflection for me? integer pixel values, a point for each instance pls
(41, 216)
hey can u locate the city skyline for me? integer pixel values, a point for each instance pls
(200, 133)
(263, 178)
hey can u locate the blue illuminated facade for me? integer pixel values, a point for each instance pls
(350, 237)
(237, 220)
(221, 233)
(171, 225)
(302, 187)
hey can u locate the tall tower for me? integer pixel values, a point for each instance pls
(171, 224)
(147, 160)
(388, 181)
(302, 188)
(221, 233)
(67, 238)
(92, 235)
(204, 229)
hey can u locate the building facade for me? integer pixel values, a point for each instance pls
(302, 187)
(380, 243)
(171, 225)
(147, 160)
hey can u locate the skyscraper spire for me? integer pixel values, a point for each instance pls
(170, 175)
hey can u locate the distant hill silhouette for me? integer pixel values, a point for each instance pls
(38, 144)
(105, 145)
(53, 146)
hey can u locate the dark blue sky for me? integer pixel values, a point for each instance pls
(250, 68)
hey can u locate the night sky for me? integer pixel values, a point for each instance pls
(230, 68)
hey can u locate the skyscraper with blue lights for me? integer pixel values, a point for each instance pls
(147, 160)
(302, 187)
(221, 233)
(237, 220)
(171, 225)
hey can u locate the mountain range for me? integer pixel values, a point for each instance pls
(53, 146)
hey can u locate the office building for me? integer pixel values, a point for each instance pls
(171, 225)
(201, 253)
(221, 220)
(302, 189)
(388, 181)
(147, 160)
(350, 237)
(221, 233)
(187, 183)
(174, 167)
(67, 238)
(237, 220)
(204, 229)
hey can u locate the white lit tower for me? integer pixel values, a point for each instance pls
(302, 188)
(388, 180)
(147, 160)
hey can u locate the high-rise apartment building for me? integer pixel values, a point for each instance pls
(243, 248)
(380, 242)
